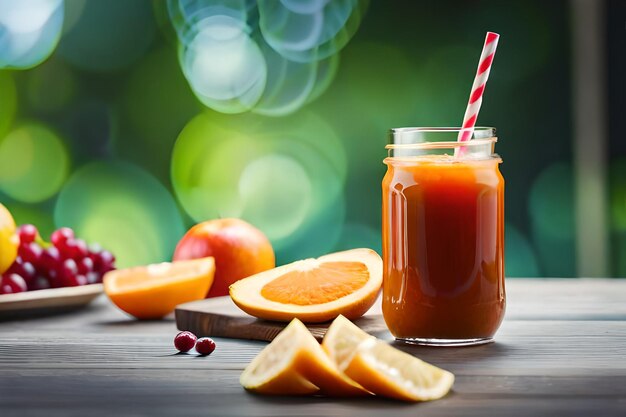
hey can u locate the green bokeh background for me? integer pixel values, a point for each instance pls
(107, 137)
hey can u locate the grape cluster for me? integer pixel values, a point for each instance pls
(66, 262)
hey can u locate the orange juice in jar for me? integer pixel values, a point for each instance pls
(443, 237)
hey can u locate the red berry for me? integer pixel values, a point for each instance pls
(61, 236)
(39, 283)
(85, 265)
(24, 269)
(95, 248)
(81, 279)
(68, 269)
(205, 346)
(50, 259)
(93, 277)
(27, 233)
(80, 249)
(74, 281)
(12, 283)
(54, 278)
(73, 248)
(30, 252)
(107, 259)
(184, 341)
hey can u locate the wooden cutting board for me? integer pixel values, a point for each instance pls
(220, 317)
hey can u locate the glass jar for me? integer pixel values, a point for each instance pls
(443, 237)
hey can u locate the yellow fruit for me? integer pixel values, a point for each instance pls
(313, 290)
(153, 291)
(381, 368)
(295, 364)
(9, 241)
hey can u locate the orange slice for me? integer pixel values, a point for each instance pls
(295, 364)
(153, 291)
(313, 290)
(381, 368)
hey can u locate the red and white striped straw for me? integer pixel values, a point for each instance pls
(478, 88)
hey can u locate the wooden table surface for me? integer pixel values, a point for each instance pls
(560, 351)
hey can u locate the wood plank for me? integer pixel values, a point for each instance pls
(566, 299)
(560, 351)
(214, 394)
(219, 382)
(521, 348)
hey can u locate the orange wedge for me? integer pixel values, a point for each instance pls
(381, 368)
(153, 291)
(313, 290)
(295, 364)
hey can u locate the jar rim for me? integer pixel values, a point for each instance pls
(443, 145)
(433, 129)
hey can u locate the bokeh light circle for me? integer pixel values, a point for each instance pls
(124, 209)
(289, 84)
(317, 33)
(29, 31)
(318, 235)
(326, 71)
(34, 163)
(285, 176)
(108, 36)
(304, 7)
(277, 192)
(224, 66)
(190, 16)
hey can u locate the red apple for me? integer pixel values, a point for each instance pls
(239, 249)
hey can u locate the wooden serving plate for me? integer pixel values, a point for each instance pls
(220, 317)
(47, 301)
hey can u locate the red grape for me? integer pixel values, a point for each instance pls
(75, 280)
(30, 252)
(93, 277)
(54, 278)
(68, 262)
(24, 269)
(95, 248)
(68, 269)
(61, 236)
(106, 260)
(73, 248)
(85, 266)
(39, 283)
(80, 250)
(27, 233)
(50, 259)
(12, 283)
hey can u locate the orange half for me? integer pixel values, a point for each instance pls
(153, 291)
(313, 290)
